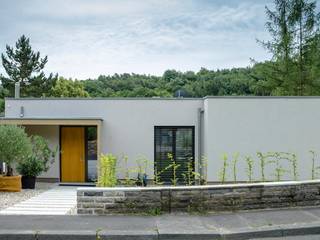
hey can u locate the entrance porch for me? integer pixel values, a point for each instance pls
(78, 144)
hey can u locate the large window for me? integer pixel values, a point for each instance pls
(173, 144)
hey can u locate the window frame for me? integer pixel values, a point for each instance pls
(174, 127)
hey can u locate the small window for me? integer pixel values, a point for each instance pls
(177, 142)
(91, 145)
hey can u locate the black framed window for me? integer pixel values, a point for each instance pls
(177, 142)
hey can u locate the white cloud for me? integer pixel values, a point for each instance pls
(86, 38)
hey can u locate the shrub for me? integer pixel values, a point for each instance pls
(39, 160)
(15, 145)
(107, 171)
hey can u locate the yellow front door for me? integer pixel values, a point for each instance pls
(72, 154)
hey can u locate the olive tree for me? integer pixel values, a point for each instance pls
(15, 145)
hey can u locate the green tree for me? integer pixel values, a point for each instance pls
(3, 93)
(68, 88)
(15, 145)
(281, 47)
(25, 66)
(305, 22)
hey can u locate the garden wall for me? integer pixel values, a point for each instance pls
(210, 198)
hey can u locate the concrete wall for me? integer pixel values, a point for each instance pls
(128, 125)
(51, 133)
(248, 125)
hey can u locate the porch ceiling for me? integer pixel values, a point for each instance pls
(51, 121)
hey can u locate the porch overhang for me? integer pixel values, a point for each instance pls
(52, 121)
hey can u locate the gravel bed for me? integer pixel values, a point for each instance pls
(10, 198)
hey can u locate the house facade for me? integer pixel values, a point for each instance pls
(196, 131)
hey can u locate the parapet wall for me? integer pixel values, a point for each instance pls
(209, 198)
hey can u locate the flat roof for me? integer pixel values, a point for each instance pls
(51, 121)
(169, 98)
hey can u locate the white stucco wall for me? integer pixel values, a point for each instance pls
(248, 125)
(245, 125)
(51, 133)
(128, 124)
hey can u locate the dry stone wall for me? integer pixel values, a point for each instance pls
(211, 198)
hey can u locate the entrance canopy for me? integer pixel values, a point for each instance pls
(52, 121)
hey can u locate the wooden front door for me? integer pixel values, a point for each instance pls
(72, 154)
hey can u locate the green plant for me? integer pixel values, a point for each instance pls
(203, 170)
(234, 165)
(174, 167)
(98, 231)
(107, 171)
(223, 170)
(293, 160)
(314, 170)
(127, 181)
(264, 161)
(15, 145)
(39, 160)
(190, 176)
(279, 170)
(142, 167)
(157, 176)
(249, 169)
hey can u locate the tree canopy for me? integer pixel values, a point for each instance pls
(25, 66)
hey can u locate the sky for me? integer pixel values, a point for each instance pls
(87, 38)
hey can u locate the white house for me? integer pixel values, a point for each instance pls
(190, 128)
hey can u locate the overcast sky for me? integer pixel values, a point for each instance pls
(86, 38)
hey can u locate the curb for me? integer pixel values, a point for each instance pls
(310, 229)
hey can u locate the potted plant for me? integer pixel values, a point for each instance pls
(36, 163)
(15, 147)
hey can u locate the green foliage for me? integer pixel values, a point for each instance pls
(249, 169)
(279, 170)
(3, 93)
(223, 170)
(294, 45)
(15, 144)
(315, 169)
(293, 160)
(39, 160)
(127, 181)
(264, 159)
(190, 176)
(234, 165)
(68, 88)
(174, 167)
(203, 170)
(142, 167)
(31, 167)
(107, 171)
(25, 66)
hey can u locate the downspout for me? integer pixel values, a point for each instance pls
(200, 157)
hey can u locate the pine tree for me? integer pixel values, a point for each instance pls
(305, 22)
(25, 66)
(281, 47)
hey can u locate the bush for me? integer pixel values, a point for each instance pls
(39, 160)
(15, 145)
(107, 171)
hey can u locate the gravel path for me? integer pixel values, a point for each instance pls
(10, 198)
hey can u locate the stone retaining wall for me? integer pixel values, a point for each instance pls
(210, 198)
